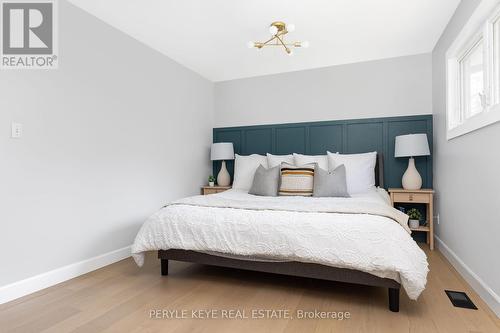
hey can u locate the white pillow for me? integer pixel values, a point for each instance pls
(322, 160)
(275, 160)
(360, 170)
(244, 170)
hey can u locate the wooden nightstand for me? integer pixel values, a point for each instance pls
(213, 189)
(423, 196)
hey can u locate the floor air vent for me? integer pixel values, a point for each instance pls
(460, 299)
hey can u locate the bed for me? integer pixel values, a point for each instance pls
(360, 240)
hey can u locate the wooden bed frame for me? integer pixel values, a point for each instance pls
(292, 267)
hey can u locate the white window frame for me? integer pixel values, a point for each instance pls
(479, 26)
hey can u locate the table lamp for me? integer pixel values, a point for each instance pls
(222, 151)
(411, 145)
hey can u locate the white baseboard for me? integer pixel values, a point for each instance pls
(30, 285)
(484, 291)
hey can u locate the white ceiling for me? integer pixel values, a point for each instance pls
(210, 36)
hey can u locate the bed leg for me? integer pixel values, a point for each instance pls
(164, 267)
(394, 299)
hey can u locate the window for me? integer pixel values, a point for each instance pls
(472, 81)
(496, 57)
(473, 73)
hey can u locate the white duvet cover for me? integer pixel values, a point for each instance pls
(363, 232)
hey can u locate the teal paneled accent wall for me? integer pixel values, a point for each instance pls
(344, 136)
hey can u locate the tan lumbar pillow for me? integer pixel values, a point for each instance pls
(297, 180)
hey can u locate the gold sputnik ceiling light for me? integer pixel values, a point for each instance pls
(278, 31)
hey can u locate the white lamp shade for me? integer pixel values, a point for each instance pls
(222, 151)
(411, 145)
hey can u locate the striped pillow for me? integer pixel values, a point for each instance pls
(297, 180)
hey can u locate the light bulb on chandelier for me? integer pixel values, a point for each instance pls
(273, 30)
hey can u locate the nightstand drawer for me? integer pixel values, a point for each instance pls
(212, 191)
(412, 197)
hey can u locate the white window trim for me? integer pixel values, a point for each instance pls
(478, 25)
(491, 116)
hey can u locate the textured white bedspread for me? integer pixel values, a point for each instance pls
(363, 233)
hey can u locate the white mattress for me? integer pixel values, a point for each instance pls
(361, 232)
(377, 194)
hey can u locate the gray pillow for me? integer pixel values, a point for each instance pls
(265, 181)
(330, 184)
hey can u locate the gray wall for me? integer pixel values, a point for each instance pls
(466, 176)
(109, 137)
(391, 87)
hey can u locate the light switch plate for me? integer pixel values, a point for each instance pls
(17, 130)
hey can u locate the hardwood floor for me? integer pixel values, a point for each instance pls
(119, 298)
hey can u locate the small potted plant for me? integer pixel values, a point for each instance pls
(415, 216)
(211, 181)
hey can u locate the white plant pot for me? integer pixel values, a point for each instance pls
(211, 184)
(414, 223)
